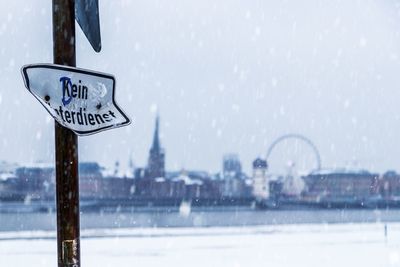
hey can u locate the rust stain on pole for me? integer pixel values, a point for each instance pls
(66, 142)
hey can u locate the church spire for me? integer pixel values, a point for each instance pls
(156, 139)
(156, 164)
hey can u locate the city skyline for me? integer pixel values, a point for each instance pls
(226, 77)
(155, 165)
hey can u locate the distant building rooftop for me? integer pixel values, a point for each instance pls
(6, 176)
(339, 171)
(260, 163)
(187, 180)
(37, 165)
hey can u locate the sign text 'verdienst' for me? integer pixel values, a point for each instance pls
(78, 99)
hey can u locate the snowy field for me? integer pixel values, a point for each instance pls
(280, 245)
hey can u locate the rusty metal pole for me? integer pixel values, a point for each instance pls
(66, 145)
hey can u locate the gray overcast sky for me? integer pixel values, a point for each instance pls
(226, 76)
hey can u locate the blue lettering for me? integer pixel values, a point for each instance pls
(66, 86)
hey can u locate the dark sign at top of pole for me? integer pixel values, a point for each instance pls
(87, 15)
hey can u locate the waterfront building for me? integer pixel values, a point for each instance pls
(90, 178)
(36, 181)
(231, 166)
(232, 176)
(341, 186)
(260, 179)
(389, 185)
(117, 188)
(156, 162)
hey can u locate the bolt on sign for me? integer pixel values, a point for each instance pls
(81, 100)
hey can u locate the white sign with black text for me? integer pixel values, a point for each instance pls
(81, 100)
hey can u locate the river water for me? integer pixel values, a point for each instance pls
(203, 218)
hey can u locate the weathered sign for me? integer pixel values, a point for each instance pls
(81, 100)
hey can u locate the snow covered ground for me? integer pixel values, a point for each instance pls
(279, 245)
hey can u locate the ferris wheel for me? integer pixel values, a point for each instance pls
(293, 151)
